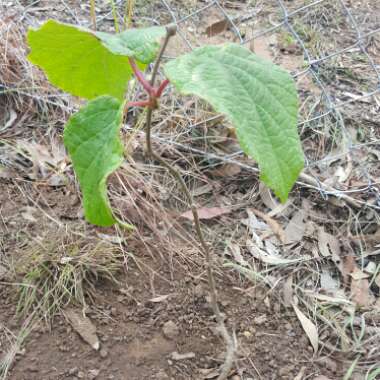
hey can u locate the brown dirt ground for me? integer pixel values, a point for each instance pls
(130, 317)
(272, 344)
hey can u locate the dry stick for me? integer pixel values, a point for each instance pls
(93, 13)
(229, 340)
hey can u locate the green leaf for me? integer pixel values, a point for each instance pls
(78, 61)
(91, 137)
(258, 97)
(140, 44)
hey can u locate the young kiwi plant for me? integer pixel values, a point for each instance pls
(258, 98)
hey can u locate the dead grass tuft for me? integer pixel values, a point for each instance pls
(59, 270)
(23, 88)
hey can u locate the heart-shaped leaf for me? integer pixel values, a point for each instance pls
(92, 139)
(90, 64)
(257, 96)
(140, 44)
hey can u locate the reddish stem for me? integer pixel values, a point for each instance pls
(161, 88)
(140, 77)
(139, 103)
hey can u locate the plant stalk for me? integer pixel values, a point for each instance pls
(229, 340)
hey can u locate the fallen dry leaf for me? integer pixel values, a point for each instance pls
(346, 267)
(328, 244)
(207, 213)
(267, 198)
(360, 292)
(266, 258)
(328, 283)
(217, 27)
(296, 227)
(288, 291)
(273, 224)
(84, 327)
(236, 253)
(160, 298)
(309, 327)
(226, 170)
(253, 223)
(202, 190)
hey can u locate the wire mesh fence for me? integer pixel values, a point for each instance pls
(332, 49)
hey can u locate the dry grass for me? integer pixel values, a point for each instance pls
(23, 88)
(56, 271)
(60, 269)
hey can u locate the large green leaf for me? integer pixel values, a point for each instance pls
(90, 64)
(258, 97)
(140, 44)
(92, 139)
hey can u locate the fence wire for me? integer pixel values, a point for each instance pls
(337, 45)
(331, 47)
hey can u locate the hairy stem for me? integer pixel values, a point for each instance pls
(140, 77)
(161, 88)
(138, 103)
(229, 340)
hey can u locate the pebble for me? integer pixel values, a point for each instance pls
(170, 330)
(199, 291)
(260, 320)
(162, 376)
(103, 353)
(93, 374)
(73, 371)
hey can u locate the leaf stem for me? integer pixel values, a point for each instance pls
(161, 88)
(229, 340)
(139, 103)
(140, 77)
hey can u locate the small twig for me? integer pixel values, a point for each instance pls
(230, 342)
(171, 30)
(114, 14)
(93, 14)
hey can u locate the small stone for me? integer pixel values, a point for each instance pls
(103, 353)
(80, 375)
(284, 371)
(170, 330)
(260, 320)
(162, 376)
(32, 368)
(73, 371)
(199, 291)
(93, 374)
